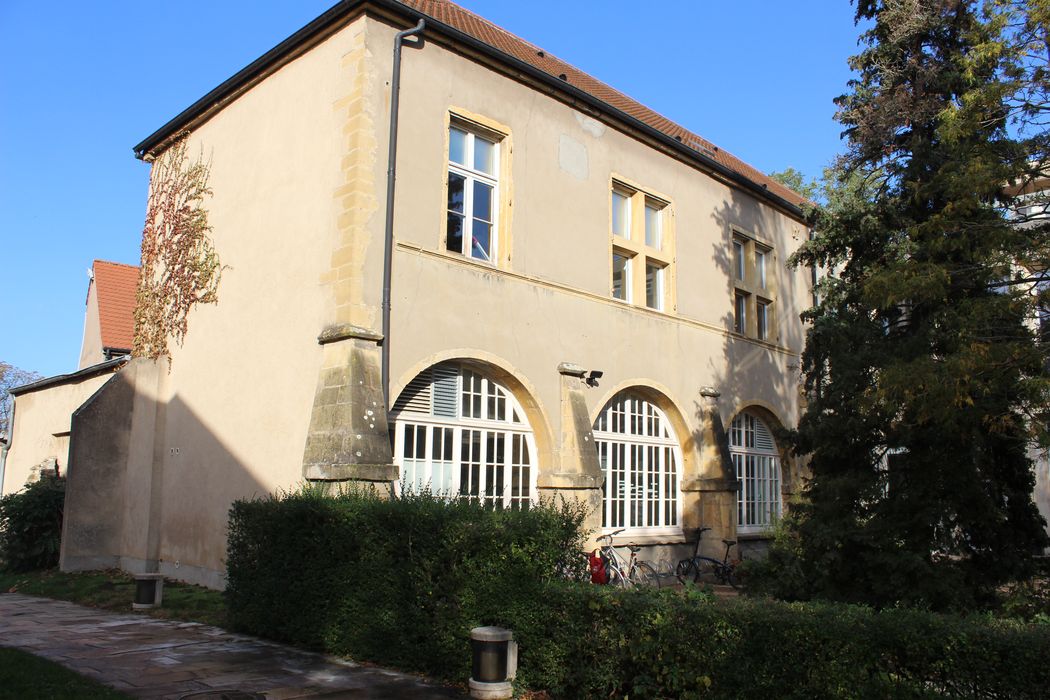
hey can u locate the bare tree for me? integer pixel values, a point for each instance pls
(11, 377)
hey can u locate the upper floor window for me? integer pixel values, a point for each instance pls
(473, 193)
(754, 288)
(641, 248)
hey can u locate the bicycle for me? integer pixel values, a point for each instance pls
(705, 569)
(626, 572)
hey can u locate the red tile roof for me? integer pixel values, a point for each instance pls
(115, 286)
(481, 29)
(497, 42)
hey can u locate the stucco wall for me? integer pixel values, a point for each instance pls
(91, 347)
(41, 428)
(298, 170)
(237, 401)
(551, 302)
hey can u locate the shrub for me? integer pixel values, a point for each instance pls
(398, 581)
(402, 582)
(31, 525)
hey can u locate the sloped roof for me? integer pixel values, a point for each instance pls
(499, 38)
(115, 287)
(448, 18)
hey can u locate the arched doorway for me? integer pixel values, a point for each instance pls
(459, 433)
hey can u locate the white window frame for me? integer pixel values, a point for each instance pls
(739, 259)
(618, 191)
(758, 474)
(740, 312)
(419, 471)
(470, 176)
(653, 236)
(762, 319)
(643, 454)
(658, 283)
(627, 282)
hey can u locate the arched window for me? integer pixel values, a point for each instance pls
(757, 465)
(461, 434)
(639, 454)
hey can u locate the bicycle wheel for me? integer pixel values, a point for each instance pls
(644, 575)
(618, 578)
(706, 572)
(728, 575)
(685, 572)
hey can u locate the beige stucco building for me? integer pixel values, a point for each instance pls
(544, 229)
(42, 411)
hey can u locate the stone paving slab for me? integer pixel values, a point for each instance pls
(150, 658)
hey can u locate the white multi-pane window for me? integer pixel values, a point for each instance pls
(757, 465)
(459, 434)
(639, 455)
(473, 194)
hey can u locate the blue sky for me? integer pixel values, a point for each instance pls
(81, 83)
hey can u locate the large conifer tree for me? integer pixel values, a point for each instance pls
(925, 377)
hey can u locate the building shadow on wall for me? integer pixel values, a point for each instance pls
(150, 484)
(761, 377)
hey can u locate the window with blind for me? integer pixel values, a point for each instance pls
(757, 465)
(461, 434)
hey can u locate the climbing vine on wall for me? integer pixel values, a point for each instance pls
(180, 267)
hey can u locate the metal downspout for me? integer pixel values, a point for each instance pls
(391, 176)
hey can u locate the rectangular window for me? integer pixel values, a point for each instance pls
(762, 319)
(754, 286)
(621, 214)
(653, 233)
(473, 190)
(654, 286)
(738, 258)
(621, 277)
(642, 248)
(740, 314)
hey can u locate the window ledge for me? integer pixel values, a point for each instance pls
(754, 535)
(646, 538)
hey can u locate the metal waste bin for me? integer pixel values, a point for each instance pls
(494, 663)
(149, 591)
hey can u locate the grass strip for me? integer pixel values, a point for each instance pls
(115, 590)
(24, 676)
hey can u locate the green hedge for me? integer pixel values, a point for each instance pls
(402, 582)
(31, 525)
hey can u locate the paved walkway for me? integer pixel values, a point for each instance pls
(151, 658)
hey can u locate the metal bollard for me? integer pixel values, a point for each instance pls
(494, 663)
(149, 591)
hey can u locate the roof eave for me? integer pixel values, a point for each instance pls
(85, 373)
(336, 12)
